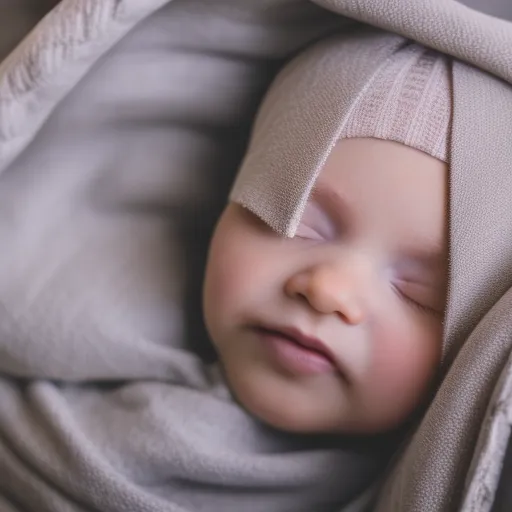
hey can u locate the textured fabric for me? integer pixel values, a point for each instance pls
(444, 25)
(115, 121)
(408, 101)
(296, 127)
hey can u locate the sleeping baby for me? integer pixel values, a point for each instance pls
(338, 329)
(324, 297)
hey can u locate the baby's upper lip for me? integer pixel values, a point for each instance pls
(307, 341)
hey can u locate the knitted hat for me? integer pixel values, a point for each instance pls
(379, 86)
(407, 101)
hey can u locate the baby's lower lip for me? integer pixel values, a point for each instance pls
(292, 356)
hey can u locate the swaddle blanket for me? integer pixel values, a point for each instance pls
(116, 119)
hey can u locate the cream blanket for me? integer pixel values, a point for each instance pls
(116, 117)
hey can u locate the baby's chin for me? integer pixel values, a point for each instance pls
(291, 406)
(282, 404)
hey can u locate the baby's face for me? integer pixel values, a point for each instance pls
(339, 328)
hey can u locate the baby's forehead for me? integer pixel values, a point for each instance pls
(379, 183)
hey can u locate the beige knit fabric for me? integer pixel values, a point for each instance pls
(408, 101)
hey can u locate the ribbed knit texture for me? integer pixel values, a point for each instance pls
(407, 101)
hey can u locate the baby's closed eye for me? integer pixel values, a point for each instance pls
(426, 296)
(316, 224)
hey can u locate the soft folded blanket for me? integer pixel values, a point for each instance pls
(107, 146)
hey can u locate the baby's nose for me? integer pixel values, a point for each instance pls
(330, 289)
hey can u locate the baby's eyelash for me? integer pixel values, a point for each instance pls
(416, 305)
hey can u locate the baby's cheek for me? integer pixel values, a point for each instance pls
(222, 295)
(403, 363)
(236, 283)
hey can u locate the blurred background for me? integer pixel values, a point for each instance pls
(17, 17)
